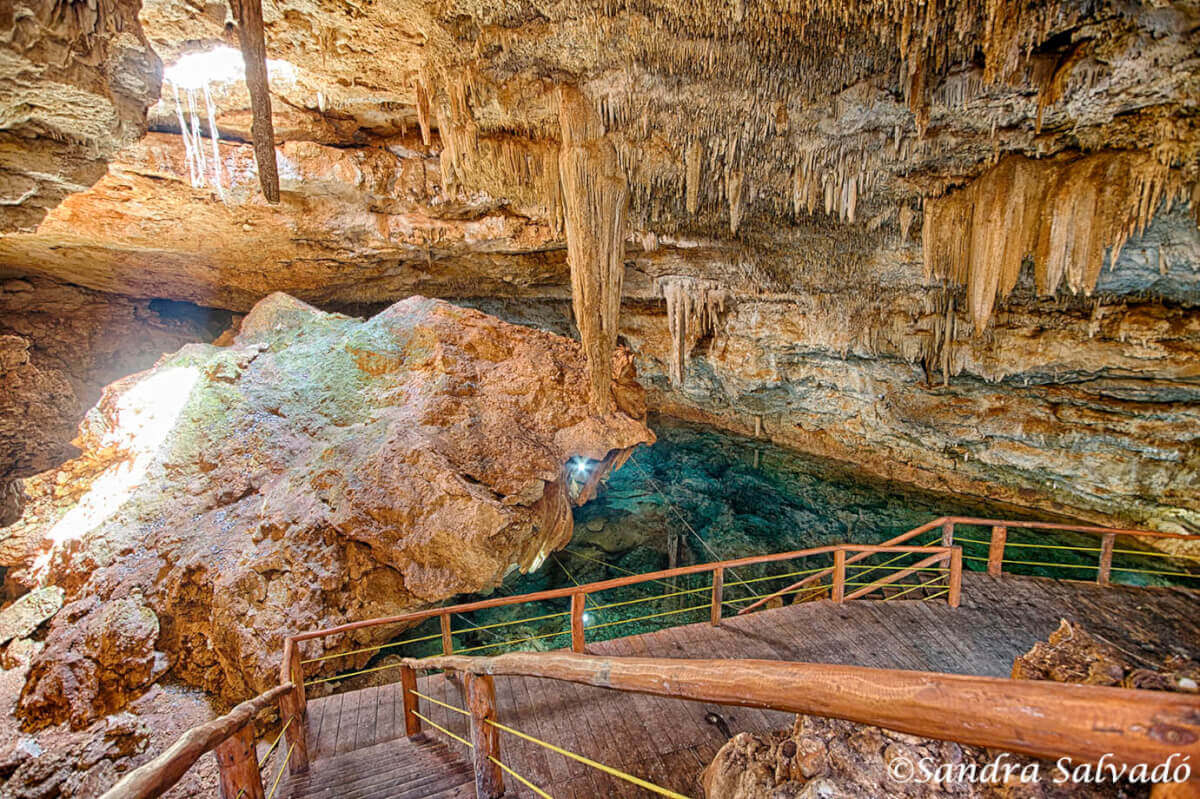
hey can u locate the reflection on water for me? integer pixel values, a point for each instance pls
(700, 495)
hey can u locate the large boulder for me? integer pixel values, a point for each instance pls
(320, 469)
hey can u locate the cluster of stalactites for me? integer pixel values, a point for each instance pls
(1064, 213)
(693, 307)
(594, 197)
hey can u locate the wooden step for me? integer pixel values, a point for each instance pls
(399, 769)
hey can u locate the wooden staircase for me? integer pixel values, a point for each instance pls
(402, 768)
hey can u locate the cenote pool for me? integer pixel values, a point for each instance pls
(700, 495)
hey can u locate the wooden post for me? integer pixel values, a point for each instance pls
(839, 575)
(955, 591)
(237, 766)
(447, 641)
(577, 604)
(293, 705)
(717, 592)
(1106, 553)
(408, 684)
(947, 534)
(996, 551)
(481, 702)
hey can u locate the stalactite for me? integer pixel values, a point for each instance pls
(1064, 213)
(695, 154)
(734, 184)
(693, 307)
(906, 220)
(594, 199)
(423, 113)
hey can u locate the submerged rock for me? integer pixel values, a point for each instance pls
(320, 469)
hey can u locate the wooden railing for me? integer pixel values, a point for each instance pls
(1050, 720)
(999, 543)
(232, 738)
(1040, 719)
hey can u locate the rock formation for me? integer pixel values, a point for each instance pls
(76, 82)
(317, 470)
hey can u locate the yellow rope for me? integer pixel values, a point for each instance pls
(777, 576)
(910, 590)
(439, 702)
(649, 616)
(1030, 546)
(649, 786)
(511, 641)
(652, 598)
(935, 596)
(278, 738)
(1036, 563)
(805, 590)
(1147, 553)
(353, 674)
(442, 729)
(1154, 571)
(507, 623)
(370, 649)
(282, 768)
(521, 779)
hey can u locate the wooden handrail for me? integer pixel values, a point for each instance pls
(1041, 719)
(618, 582)
(153, 778)
(999, 530)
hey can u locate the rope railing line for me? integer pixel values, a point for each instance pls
(908, 590)
(941, 593)
(333, 677)
(777, 576)
(282, 768)
(806, 589)
(370, 649)
(1156, 571)
(275, 743)
(1038, 563)
(615, 567)
(443, 730)
(899, 569)
(1155, 554)
(651, 598)
(706, 606)
(482, 627)
(959, 538)
(446, 705)
(649, 786)
(511, 641)
(521, 779)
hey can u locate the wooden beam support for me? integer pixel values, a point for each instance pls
(447, 639)
(839, 575)
(578, 601)
(1043, 719)
(155, 777)
(237, 766)
(408, 684)
(954, 592)
(1106, 552)
(996, 550)
(718, 590)
(947, 533)
(294, 706)
(248, 14)
(481, 703)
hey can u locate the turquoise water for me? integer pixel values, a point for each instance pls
(706, 496)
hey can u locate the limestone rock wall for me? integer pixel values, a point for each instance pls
(319, 469)
(76, 81)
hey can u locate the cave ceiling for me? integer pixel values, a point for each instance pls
(774, 147)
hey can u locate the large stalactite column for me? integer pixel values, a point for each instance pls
(595, 197)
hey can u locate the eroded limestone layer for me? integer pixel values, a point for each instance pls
(319, 469)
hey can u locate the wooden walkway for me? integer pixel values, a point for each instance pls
(669, 741)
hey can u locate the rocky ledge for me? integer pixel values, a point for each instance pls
(318, 469)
